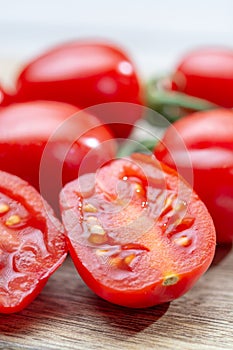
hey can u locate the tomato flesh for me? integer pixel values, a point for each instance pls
(42, 138)
(85, 74)
(206, 73)
(32, 243)
(137, 233)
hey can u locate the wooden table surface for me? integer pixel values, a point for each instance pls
(67, 315)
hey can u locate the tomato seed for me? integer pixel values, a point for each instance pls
(92, 220)
(97, 229)
(13, 220)
(89, 208)
(97, 238)
(183, 241)
(4, 208)
(128, 259)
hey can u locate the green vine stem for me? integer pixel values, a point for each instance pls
(172, 104)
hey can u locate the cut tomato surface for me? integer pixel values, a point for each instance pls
(137, 233)
(32, 243)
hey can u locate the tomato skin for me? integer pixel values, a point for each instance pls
(206, 73)
(35, 245)
(130, 262)
(208, 137)
(40, 139)
(85, 73)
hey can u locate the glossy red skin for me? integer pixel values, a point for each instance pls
(86, 73)
(208, 137)
(208, 74)
(30, 250)
(131, 227)
(31, 149)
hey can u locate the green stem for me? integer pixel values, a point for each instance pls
(143, 146)
(171, 103)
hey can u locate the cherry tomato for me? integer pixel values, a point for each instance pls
(208, 137)
(32, 243)
(86, 73)
(50, 143)
(137, 233)
(207, 74)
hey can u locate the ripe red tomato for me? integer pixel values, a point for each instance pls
(46, 143)
(137, 233)
(208, 137)
(86, 73)
(32, 243)
(208, 74)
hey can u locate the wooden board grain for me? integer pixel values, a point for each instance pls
(67, 315)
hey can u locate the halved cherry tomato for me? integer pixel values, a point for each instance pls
(46, 143)
(86, 73)
(32, 243)
(208, 137)
(206, 73)
(137, 233)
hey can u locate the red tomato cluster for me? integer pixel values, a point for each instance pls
(137, 232)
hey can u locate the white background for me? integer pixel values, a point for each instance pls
(155, 33)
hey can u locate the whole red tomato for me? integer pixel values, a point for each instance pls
(208, 137)
(208, 74)
(32, 243)
(137, 233)
(86, 73)
(50, 143)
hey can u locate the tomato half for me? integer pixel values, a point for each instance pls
(206, 73)
(86, 73)
(208, 137)
(32, 243)
(50, 143)
(137, 233)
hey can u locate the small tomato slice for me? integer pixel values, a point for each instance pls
(137, 233)
(32, 243)
(208, 140)
(86, 73)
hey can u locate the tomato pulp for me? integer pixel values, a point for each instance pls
(206, 73)
(50, 143)
(208, 137)
(32, 243)
(85, 74)
(137, 233)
